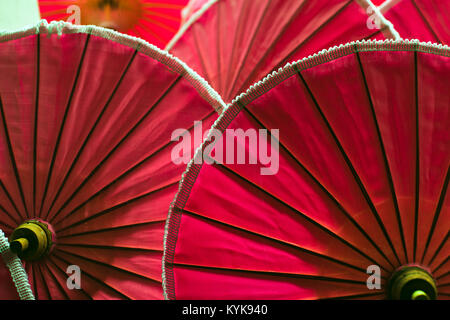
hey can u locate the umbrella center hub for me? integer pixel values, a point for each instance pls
(412, 283)
(32, 240)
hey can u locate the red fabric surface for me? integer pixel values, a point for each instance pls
(7, 289)
(426, 20)
(99, 120)
(235, 43)
(349, 191)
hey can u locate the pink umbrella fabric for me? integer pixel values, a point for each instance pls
(155, 21)
(87, 116)
(350, 169)
(7, 289)
(233, 43)
(426, 20)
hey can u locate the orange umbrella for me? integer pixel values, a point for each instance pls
(153, 20)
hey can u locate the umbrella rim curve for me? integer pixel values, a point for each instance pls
(140, 45)
(189, 177)
(174, 64)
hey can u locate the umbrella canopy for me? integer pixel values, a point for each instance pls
(87, 117)
(334, 166)
(233, 43)
(153, 20)
(426, 20)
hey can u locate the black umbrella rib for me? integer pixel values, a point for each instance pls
(417, 185)
(64, 274)
(427, 23)
(437, 214)
(110, 229)
(218, 38)
(383, 152)
(127, 172)
(356, 296)
(139, 33)
(35, 122)
(61, 129)
(444, 241)
(273, 274)
(278, 241)
(2, 186)
(350, 165)
(123, 204)
(97, 121)
(200, 56)
(149, 28)
(288, 56)
(238, 32)
(36, 114)
(13, 159)
(101, 283)
(44, 282)
(9, 215)
(124, 138)
(440, 266)
(375, 33)
(95, 246)
(304, 216)
(323, 188)
(130, 273)
(247, 49)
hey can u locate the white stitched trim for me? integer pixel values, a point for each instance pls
(18, 274)
(61, 27)
(189, 23)
(384, 20)
(283, 73)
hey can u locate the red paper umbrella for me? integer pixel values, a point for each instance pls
(86, 172)
(233, 43)
(426, 20)
(153, 20)
(329, 179)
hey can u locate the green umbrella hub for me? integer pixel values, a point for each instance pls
(412, 282)
(32, 240)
